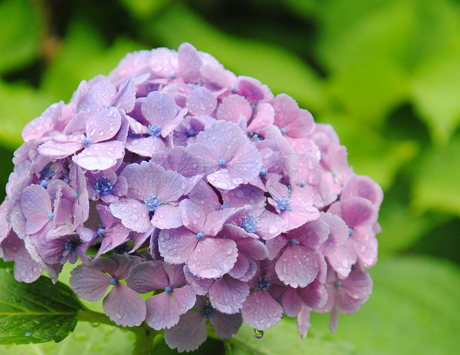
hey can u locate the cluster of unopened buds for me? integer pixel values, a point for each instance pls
(231, 204)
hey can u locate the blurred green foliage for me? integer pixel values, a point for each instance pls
(384, 73)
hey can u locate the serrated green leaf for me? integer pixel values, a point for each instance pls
(436, 184)
(82, 57)
(413, 309)
(19, 104)
(35, 313)
(274, 66)
(284, 339)
(436, 89)
(20, 35)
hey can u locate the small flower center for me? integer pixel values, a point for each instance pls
(168, 289)
(224, 206)
(152, 202)
(75, 195)
(264, 283)
(50, 216)
(113, 281)
(69, 246)
(85, 141)
(191, 132)
(293, 241)
(263, 172)
(103, 186)
(283, 130)
(284, 204)
(249, 223)
(155, 130)
(338, 283)
(207, 311)
(100, 232)
(303, 183)
(200, 235)
(350, 231)
(222, 163)
(44, 183)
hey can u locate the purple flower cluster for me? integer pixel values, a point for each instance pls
(219, 200)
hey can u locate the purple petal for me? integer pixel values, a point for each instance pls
(185, 298)
(133, 214)
(59, 150)
(213, 257)
(303, 321)
(200, 286)
(226, 325)
(124, 306)
(159, 108)
(36, 208)
(189, 333)
(114, 237)
(314, 295)
(233, 107)
(241, 266)
(145, 147)
(265, 118)
(102, 124)
(147, 277)
(354, 291)
(253, 248)
(175, 274)
(261, 311)
(227, 294)
(162, 311)
(89, 283)
(189, 63)
(167, 217)
(125, 98)
(297, 266)
(292, 303)
(177, 245)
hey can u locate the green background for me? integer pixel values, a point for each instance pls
(385, 74)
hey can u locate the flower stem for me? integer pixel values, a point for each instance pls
(228, 347)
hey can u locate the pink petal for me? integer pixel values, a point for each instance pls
(189, 63)
(148, 276)
(167, 217)
(159, 108)
(265, 117)
(213, 257)
(189, 333)
(292, 303)
(100, 156)
(145, 147)
(226, 325)
(177, 245)
(303, 321)
(233, 108)
(261, 311)
(201, 101)
(297, 266)
(36, 207)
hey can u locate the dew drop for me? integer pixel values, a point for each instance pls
(258, 334)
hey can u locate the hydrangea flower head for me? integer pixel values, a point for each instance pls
(229, 204)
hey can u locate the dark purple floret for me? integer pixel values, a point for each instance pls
(249, 223)
(69, 246)
(264, 283)
(103, 186)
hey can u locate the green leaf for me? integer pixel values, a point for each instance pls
(21, 34)
(35, 313)
(436, 88)
(284, 338)
(85, 340)
(413, 309)
(436, 185)
(274, 66)
(82, 57)
(19, 104)
(370, 89)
